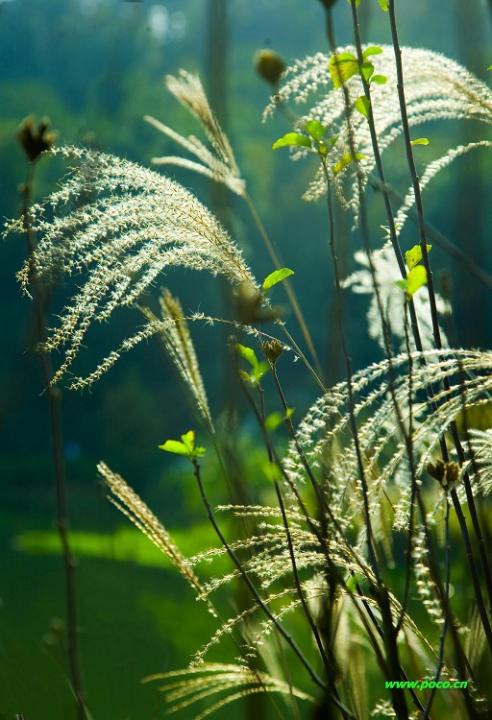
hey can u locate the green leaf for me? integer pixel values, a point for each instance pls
(362, 105)
(186, 447)
(420, 141)
(315, 129)
(416, 278)
(379, 79)
(372, 50)
(292, 139)
(489, 67)
(342, 67)
(275, 277)
(258, 372)
(188, 440)
(414, 255)
(176, 447)
(367, 70)
(384, 5)
(325, 146)
(248, 354)
(346, 160)
(258, 369)
(273, 421)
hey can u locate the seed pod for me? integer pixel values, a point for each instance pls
(436, 470)
(272, 349)
(269, 65)
(35, 140)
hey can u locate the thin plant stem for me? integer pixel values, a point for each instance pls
(444, 630)
(56, 428)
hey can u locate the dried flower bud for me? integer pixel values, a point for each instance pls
(452, 475)
(269, 65)
(35, 140)
(446, 474)
(249, 305)
(272, 349)
(436, 470)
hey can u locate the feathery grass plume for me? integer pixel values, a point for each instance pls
(131, 505)
(435, 88)
(118, 226)
(177, 341)
(429, 173)
(382, 447)
(392, 299)
(233, 682)
(481, 443)
(217, 161)
(271, 565)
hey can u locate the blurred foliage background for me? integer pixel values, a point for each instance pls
(95, 67)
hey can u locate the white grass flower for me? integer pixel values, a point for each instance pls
(436, 88)
(117, 227)
(176, 337)
(216, 161)
(392, 300)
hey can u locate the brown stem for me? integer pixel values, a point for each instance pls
(55, 412)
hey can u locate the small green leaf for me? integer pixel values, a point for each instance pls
(367, 70)
(245, 376)
(248, 354)
(275, 277)
(362, 105)
(420, 141)
(379, 79)
(342, 67)
(174, 446)
(489, 67)
(315, 129)
(289, 412)
(414, 255)
(325, 146)
(416, 278)
(188, 440)
(346, 160)
(273, 421)
(292, 139)
(258, 369)
(372, 50)
(186, 447)
(257, 373)
(384, 5)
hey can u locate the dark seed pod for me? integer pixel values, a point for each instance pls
(436, 470)
(35, 140)
(328, 3)
(446, 474)
(269, 65)
(272, 349)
